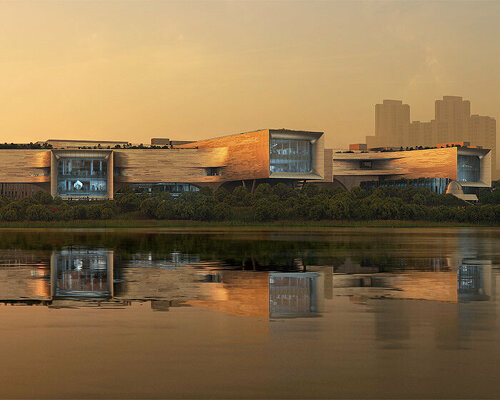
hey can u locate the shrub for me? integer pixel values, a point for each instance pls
(239, 196)
(222, 195)
(164, 210)
(358, 193)
(107, 213)
(340, 207)
(4, 201)
(10, 214)
(38, 213)
(265, 210)
(128, 202)
(221, 212)
(42, 197)
(418, 198)
(284, 191)
(79, 212)
(94, 211)
(149, 206)
(263, 190)
(310, 190)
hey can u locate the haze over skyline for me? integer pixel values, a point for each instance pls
(130, 70)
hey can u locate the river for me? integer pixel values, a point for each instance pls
(228, 313)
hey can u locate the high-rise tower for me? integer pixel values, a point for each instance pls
(454, 114)
(453, 123)
(392, 124)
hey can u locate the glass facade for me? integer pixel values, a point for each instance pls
(82, 177)
(436, 185)
(469, 168)
(173, 188)
(290, 155)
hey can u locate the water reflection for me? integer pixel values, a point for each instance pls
(82, 273)
(406, 312)
(475, 281)
(295, 294)
(79, 276)
(255, 286)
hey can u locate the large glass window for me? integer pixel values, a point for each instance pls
(469, 168)
(436, 185)
(82, 177)
(290, 155)
(175, 189)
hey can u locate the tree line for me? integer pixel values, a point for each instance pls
(266, 203)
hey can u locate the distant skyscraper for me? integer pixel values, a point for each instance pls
(392, 124)
(454, 114)
(420, 132)
(453, 123)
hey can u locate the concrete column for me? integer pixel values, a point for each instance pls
(53, 174)
(110, 178)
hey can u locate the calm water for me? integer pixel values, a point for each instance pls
(345, 313)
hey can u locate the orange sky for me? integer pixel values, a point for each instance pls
(131, 70)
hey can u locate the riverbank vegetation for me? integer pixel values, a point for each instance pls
(266, 204)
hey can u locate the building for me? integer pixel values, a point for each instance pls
(75, 169)
(460, 171)
(98, 169)
(454, 114)
(453, 122)
(392, 124)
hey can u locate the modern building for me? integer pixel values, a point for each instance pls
(76, 169)
(453, 122)
(460, 171)
(98, 169)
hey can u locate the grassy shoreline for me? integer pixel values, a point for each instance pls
(176, 224)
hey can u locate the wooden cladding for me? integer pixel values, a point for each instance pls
(17, 191)
(28, 166)
(247, 154)
(432, 163)
(173, 165)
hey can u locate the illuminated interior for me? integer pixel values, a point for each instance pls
(82, 177)
(290, 155)
(469, 168)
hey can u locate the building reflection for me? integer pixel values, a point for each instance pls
(475, 280)
(88, 277)
(295, 294)
(265, 294)
(82, 273)
(80, 276)
(445, 279)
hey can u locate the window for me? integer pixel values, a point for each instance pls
(290, 155)
(82, 177)
(173, 188)
(468, 168)
(213, 171)
(366, 164)
(436, 185)
(80, 168)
